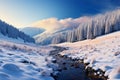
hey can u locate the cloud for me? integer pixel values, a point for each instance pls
(48, 24)
(51, 24)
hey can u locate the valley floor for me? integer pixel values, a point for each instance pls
(32, 62)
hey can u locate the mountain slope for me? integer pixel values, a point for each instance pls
(11, 32)
(101, 53)
(32, 31)
(54, 26)
(96, 26)
(71, 30)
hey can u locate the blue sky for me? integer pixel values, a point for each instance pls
(21, 13)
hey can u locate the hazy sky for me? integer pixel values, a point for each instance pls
(21, 13)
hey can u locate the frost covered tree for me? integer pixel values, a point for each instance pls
(90, 30)
(96, 26)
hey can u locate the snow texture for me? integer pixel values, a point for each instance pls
(24, 61)
(102, 53)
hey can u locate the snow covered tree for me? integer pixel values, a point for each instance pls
(96, 26)
(10, 31)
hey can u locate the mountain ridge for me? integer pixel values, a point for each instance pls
(72, 30)
(32, 31)
(12, 32)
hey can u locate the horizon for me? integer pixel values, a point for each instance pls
(22, 13)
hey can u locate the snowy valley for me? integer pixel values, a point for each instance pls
(33, 62)
(88, 47)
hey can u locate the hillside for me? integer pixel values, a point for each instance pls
(52, 26)
(23, 62)
(96, 26)
(72, 30)
(101, 53)
(9, 31)
(32, 31)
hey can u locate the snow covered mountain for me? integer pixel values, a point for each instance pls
(96, 26)
(8, 31)
(53, 26)
(32, 31)
(71, 30)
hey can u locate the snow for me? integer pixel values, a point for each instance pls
(32, 31)
(24, 62)
(6, 38)
(97, 25)
(102, 53)
(53, 26)
(10, 31)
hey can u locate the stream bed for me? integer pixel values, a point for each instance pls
(68, 68)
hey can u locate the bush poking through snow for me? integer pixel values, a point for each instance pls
(117, 53)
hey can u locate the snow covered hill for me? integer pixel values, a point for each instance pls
(23, 62)
(9, 31)
(96, 26)
(101, 53)
(53, 26)
(32, 31)
(72, 30)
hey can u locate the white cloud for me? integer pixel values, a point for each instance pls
(48, 24)
(55, 24)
